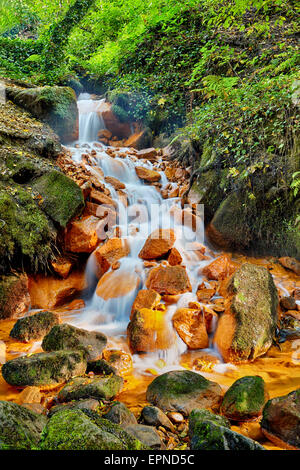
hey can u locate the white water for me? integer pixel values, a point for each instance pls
(112, 316)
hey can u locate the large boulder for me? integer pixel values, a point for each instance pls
(68, 337)
(281, 420)
(158, 244)
(116, 284)
(60, 197)
(76, 430)
(191, 327)
(20, 428)
(146, 298)
(34, 327)
(147, 435)
(48, 292)
(247, 328)
(82, 235)
(151, 176)
(14, 296)
(100, 388)
(149, 331)
(169, 280)
(55, 105)
(109, 253)
(245, 399)
(84, 404)
(182, 391)
(44, 368)
(200, 415)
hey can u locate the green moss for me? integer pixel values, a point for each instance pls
(62, 198)
(105, 387)
(245, 399)
(33, 327)
(198, 416)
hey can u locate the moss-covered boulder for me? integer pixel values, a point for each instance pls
(120, 414)
(209, 435)
(245, 399)
(20, 428)
(75, 430)
(68, 337)
(101, 367)
(34, 327)
(60, 197)
(200, 415)
(247, 328)
(182, 391)
(36, 199)
(100, 388)
(147, 435)
(44, 368)
(14, 296)
(281, 420)
(54, 105)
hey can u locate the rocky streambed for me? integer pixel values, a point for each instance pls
(142, 335)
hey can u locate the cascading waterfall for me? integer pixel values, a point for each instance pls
(146, 212)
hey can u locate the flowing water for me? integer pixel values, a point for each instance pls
(145, 212)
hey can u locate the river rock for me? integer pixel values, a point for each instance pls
(20, 428)
(55, 105)
(82, 235)
(121, 415)
(68, 337)
(158, 244)
(100, 388)
(84, 404)
(190, 326)
(288, 303)
(116, 284)
(76, 430)
(114, 182)
(146, 298)
(145, 434)
(245, 399)
(101, 198)
(62, 266)
(109, 253)
(200, 415)
(174, 258)
(247, 328)
(281, 420)
(14, 296)
(44, 368)
(290, 263)
(100, 367)
(48, 292)
(219, 269)
(34, 327)
(140, 139)
(169, 280)
(149, 154)
(209, 435)
(149, 331)
(120, 360)
(182, 391)
(151, 176)
(156, 417)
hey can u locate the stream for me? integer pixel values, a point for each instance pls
(109, 312)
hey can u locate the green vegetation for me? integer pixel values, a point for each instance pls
(219, 80)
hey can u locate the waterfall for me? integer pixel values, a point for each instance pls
(90, 118)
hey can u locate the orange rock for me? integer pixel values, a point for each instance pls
(170, 173)
(187, 218)
(15, 299)
(174, 192)
(204, 294)
(148, 331)
(145, 299)
(112, 122)
(174, 257)
(122, 361)
(150, 264)
(29, 395)
(220, 269)
(91, 209)
(190, 326)
(105, 133)
(81, 236)
(113, 250)
(117, 284)
(169, 280)
(114, 182)
(210, 318)
(98, 171)
(47, 292)
(102, 198)
(290, 263)
(146, 174)
(150, 154)
(139, 139)
(158, 244)
(62, 267)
